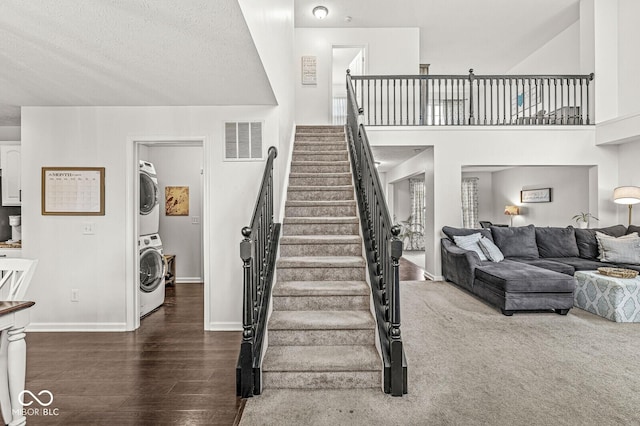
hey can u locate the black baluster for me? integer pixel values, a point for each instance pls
(471, 77)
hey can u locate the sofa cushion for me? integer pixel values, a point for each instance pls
(516, 277)
(470, 242)
(625, 249)
(516, 241)
(551, 265)
(580, 264)
(557, 242)
(587, 243)
(633, 228)
(450, 232)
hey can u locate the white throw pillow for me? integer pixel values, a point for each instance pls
(470, 242)
(625, 249)
(490, 250)
(600, 236)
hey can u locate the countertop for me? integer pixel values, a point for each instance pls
(6, 245)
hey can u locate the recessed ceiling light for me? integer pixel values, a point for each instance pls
(320, 12)
(377, 164)
(347, 18)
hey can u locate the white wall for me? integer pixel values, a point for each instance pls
(101, 265)
(181, 166)
(569, 194)
(9, 133)
(560, 55)
(401, 201)
(629, 59)
(454, 148)
(389, 51)
(629, 174)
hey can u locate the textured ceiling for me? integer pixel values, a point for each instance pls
(391, 156)
(128, 52)
(489, 35)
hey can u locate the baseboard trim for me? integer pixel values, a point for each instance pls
(189, 280)
(432, 277)
(76, 326)
(225, 326)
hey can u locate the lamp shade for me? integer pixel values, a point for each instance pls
(511, 210)
(626, 195)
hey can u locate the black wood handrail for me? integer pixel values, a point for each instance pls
(383, 249)
(258, 254)
(476, 100)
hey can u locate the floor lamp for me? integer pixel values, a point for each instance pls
(629, 195)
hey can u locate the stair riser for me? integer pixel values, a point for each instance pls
(338, 156)
(321, 274)
(320, 181)
(340, 195)
(320, 129)
(327, 337)
(291, 250)
(324, 168)
(321, 229)
(326, 138)
(320, 303)
(319, 146)
(321, 380)
(316, 211)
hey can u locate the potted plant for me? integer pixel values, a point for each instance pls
(410, 231)
(582, 219)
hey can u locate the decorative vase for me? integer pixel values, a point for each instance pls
(583, 224)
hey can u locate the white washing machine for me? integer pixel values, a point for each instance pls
(152, 272)
(149, 200)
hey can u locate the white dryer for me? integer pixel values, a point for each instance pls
(149, 200)
(152, 272)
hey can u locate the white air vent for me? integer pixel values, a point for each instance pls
(243, 141)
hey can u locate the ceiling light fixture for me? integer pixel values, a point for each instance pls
(320, 12)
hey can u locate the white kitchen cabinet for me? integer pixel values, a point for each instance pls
(10, 164)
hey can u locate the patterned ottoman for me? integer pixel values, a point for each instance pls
(617, 299)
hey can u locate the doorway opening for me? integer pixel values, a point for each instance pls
(344, 58)
(169, 220)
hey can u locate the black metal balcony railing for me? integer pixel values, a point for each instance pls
(454, 100)
(383, 250)
(258, 252)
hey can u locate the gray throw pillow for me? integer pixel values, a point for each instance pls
(557, 242)
(587, 243)
(517, 241)
(490, 250)
(624, 249)
(450, 232)
(470, 242)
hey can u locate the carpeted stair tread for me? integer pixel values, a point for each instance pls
(319, 203)
(323, 175)
(319, 163)
(321, 358)
(320, 239)
(329, 262)
(321, 320)
(322, 188)
(321, 220)
(321, 288)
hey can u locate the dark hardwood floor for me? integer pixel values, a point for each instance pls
(409, 271)
(169, 371)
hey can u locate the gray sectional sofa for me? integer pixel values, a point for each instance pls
(538, 266)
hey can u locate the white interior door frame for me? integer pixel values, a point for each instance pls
(365, 54)
(132, 208)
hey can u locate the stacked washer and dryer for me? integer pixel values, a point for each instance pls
(152, 263)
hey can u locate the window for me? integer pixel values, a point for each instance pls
(243, 140)
(470, 203)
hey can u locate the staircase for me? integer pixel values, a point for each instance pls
(321, 332)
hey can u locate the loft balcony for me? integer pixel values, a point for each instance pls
(472, 100)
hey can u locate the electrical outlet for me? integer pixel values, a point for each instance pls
(88, 228)
(75, 295)
(195, 220)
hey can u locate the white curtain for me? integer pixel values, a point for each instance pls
(470, 202)
(416, 192)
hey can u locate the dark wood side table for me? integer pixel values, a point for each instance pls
(170, 276)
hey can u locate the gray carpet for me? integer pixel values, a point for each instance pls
(470, 365)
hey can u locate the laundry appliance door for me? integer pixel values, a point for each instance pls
(148, 194)
(151, 270)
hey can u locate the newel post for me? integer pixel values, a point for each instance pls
(246, 347)
(395, 342)
(471, 78)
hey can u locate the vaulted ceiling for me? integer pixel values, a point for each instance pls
(200, 52)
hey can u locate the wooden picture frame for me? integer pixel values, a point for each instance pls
(73, 191)
(542, 195)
